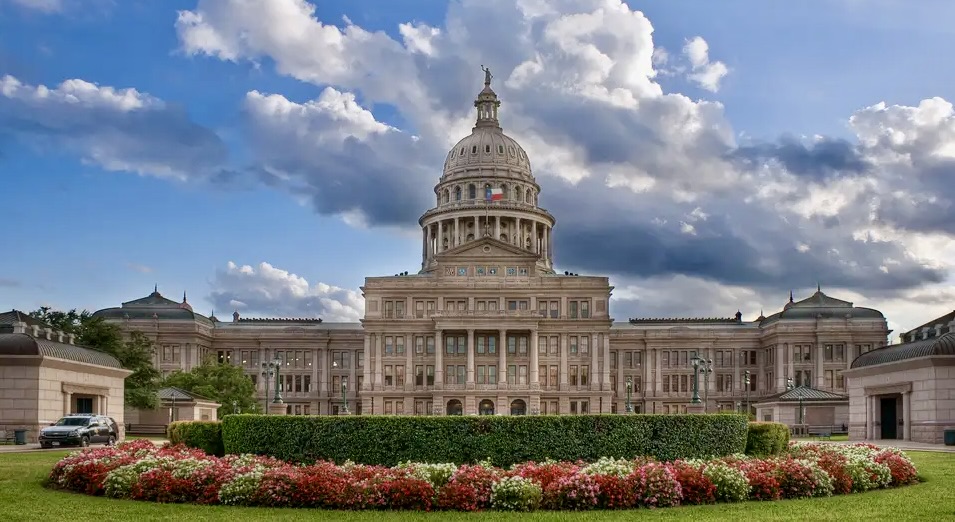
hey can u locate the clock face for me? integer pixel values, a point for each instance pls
(449, 271)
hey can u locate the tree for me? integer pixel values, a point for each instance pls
(221, 382)
(135, 353)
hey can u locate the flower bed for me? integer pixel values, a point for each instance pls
(139, 470)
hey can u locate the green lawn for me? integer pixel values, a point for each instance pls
(23, 497)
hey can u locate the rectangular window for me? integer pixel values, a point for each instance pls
(419, 309)
(298, 384)
(419, 344)
(573, 344)
(584, 344)
(512, 374)
(359, 359)
(492, 374)
(573, 309)
(389, 375)
(522, 345)
(430, 344)
(462, 345)
(389, 345)
(482, 375)
(585, 309)
(554, 372)
(522, 374)
(511, 344)
(429, 373)
(462, 374)
(400, 344)
(399, 309)
(419, 375)
(554, 309)
(542, 375)
(449, 374)
(554, 345)
(399, 375)
(491, 345)
(449, 345)
(665, 359)
(308, 383)
(573, 375)
(828, 378)
(481, 343)
(584, 375)
(542, 345)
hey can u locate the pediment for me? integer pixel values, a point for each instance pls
(485, 248)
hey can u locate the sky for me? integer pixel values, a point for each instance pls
(267, 155)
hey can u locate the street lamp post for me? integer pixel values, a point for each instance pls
(706, 368)
(629, 391)
(235, 406)
(695, 361)
(277, 399)
(270, 369)
(746, 381)
(344, 388)
(790, 384)
(267, 374)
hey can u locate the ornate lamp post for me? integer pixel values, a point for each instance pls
(790, 384)
(344, 388)
(706, 368)
(746, 381)
(235, 406)
(629, 391)
(267, 372)
(695, 361)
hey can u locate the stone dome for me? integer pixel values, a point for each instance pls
(487, 147)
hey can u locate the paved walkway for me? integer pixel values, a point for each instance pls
(905, 445)
(28, 448)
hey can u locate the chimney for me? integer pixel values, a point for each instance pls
(19, 327)
(35, 331)
(48, 334)
(71, 338)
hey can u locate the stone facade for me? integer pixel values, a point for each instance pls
(44, 377)
(487, 326)
(904, 391)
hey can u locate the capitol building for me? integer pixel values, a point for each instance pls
(487, 326)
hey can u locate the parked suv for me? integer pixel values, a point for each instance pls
(79, 429)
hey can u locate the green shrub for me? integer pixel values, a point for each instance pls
(504, 440)
(764, 439)
(204, 435)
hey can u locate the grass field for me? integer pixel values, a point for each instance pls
(24, 497)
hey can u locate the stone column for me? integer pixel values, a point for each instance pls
(470, 381)
(563, 356)
(502, 359)
(428, 252)
(907, 415)
(535, 360)
(478, 233)
(658, 370)
(379, 352)
(497, 227)
(409, 364)
(780, 352)
(605, 372)
(535, 247)
(737, 377)
(367, 384)
(438, 360)
(440, 242)
(518, 234)
(545, 243)
(594, 385)
(818, 378)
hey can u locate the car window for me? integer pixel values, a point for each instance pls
(72, 421)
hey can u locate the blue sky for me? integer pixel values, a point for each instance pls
(103, 201)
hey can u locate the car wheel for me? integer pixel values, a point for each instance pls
(85, 441)
(111, 441)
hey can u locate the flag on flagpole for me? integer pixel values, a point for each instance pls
(493, 194)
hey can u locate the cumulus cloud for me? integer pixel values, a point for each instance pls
(264, 290)
(703, 72)
(43, 6)
(647, 185)
(117, 129)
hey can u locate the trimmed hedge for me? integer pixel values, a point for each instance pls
(204, 435)
(764, 439)
(505, 440)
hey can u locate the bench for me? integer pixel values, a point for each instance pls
(146, 429)
(827, 435)
(7, 437)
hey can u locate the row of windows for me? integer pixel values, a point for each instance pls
(549, 308)
(470, 192)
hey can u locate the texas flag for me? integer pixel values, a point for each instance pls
(494, 194)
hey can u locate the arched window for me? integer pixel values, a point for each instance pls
(457, 193)
(500, 149)
(504, 238)
(529, 197)
(447, 196)
(517, 193)
(518, 407)
(455, 408)
(472, 191)
(486, 407)
(504, 190)
(470, 237)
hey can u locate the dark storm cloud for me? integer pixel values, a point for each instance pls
(821, 159)
(156, 138)
(931, 206)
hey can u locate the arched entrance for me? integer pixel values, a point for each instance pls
(455, 407)
(518, 407)
(486, 407)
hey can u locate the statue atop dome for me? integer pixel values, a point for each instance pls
(487, 76)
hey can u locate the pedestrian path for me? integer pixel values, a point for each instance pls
(904, 445)
(28, 448)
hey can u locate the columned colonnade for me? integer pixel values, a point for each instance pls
(526, 233)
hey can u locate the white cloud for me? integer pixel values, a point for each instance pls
(705, 73)
(418, 37)
(271, 291)
(44, 6)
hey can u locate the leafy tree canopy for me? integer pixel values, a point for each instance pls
(134, 353)
(224, 383)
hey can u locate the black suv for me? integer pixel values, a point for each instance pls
(79, 429)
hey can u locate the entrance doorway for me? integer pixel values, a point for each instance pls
(84, 405)
(889, 417)
(486, 407)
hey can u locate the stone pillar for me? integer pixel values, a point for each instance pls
(497, 227)
(545, 240)
(502, 359)
(594, 384)
(658, 370)
(409, 366)
(818, 377)
(478, 233)
(379, 352)
(605, 372)
(518, 234)
(440, 243)
(470, 375)
(535, 360)
(563, 356)
(907, 415)
(277, 408)
(737, 377)
(535, 246)
(352, 389)
(438, 360)
(427, 251)
(457, 233)
(68, 403)
(780, 352)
